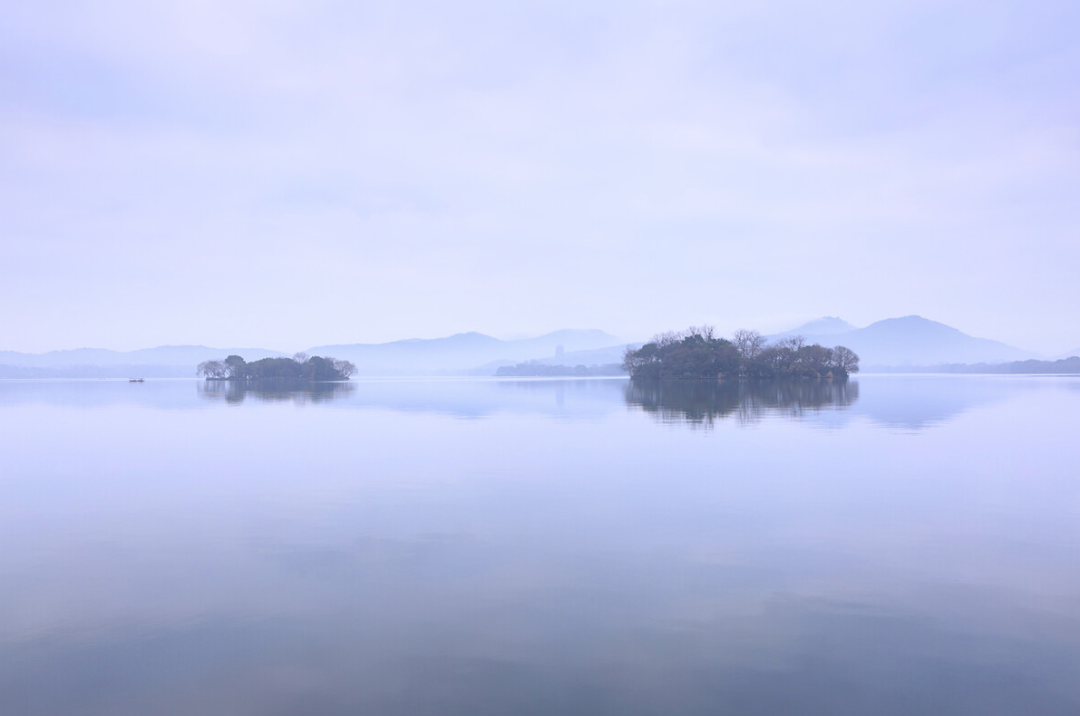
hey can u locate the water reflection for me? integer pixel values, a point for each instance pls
(295, 391)
(703, 402)
(538, 547)
(907, 403)
(915, 403)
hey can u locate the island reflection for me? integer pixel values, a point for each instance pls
(278, 390)
(703, 402)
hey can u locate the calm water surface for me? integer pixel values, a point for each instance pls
(895, 546)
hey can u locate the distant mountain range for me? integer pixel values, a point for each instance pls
(911, 341)
(160, 362)
(462, 352)
(591, 357)
(458, 354)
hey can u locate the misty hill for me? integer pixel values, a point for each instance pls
(461, 352)
(593, 357)
(1065, 366)
(915, 341)
(160, 362)
(453, 354)
(895, 342)
(1070, 354)
(827, 326)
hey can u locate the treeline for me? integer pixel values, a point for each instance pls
(699, 353)
(1065, 366)
(540, 370)
(300, 367)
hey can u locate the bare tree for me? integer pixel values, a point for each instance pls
(793, 342)
(707, 333)
(300, 357)
(817, 357)
(344, 367)
(750, 343)
(212, 369)
(846, 358)
(668, 338)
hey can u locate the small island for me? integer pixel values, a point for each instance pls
(300, 367)
(699, 353)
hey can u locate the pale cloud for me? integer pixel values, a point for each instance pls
(344, 172)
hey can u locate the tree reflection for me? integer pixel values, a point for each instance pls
(295, 391)
(702, 402)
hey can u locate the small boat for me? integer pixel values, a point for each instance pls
(136, 380)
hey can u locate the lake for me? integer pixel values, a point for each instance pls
(898, 545)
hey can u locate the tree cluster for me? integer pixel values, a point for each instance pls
(300, 367)
(699, 353)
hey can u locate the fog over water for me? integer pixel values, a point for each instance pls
(479, 188)
(893, 545)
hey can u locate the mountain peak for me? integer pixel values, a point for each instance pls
(474, 336)
(912, 324)
(907, 341)
(824, 326)
(915, 340)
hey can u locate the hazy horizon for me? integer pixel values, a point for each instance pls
(822, 335)
(299, 175)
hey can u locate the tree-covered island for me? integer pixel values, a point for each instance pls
(300, 367)
(699, 353)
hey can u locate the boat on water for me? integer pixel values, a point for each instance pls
(136, 380)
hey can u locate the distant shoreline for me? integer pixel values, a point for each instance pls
(1065, 366)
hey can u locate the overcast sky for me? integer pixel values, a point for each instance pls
(290, 174)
